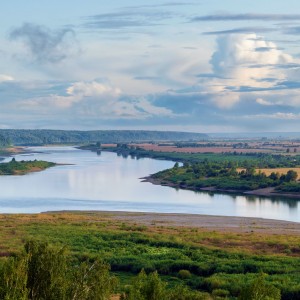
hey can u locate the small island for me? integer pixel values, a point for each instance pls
(23, 167)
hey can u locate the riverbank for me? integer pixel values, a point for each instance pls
(202, 222)
(265, 192)
(6, 152)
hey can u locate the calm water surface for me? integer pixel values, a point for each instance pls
(110, 182)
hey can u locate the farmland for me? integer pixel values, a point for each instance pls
(244, 146)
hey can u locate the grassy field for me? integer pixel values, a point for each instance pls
(278, 170)
(216, 259)
(268, 171)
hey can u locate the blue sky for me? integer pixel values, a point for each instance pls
(206, 66)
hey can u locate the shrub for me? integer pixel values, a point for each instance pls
(259, 289)
(184, 274)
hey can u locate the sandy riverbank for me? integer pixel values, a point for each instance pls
(204, 222)
(5, 152)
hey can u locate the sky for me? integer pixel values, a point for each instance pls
(201, 66)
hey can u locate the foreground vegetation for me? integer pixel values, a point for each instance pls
(23, 167)
(45, 272)
(220, 264)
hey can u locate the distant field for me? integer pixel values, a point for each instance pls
(198, 150)
(219, 148)
(279, 170)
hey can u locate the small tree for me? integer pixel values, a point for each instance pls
(47, 271)
(93, 281)
(146, 287)
(291, 175)
(13, 279)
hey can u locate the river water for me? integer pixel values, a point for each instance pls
(89, 181)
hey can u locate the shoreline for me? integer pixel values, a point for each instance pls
(265, 192)
(10, 151)
(202, 222)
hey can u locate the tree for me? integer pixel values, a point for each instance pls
(93, 281)
(47, 271)
(44, 272)
(291, 175)
(274, 176)
(146, 287)
(13, 279)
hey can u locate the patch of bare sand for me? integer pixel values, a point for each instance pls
(205, 222)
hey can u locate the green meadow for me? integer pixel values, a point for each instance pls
(221, 264)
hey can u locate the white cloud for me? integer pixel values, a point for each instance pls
(238, 64)
(4, 77)
(96, 99)
(278, 115)
(261, 101)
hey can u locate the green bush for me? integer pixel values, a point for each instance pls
(184, 274)
(259, 289)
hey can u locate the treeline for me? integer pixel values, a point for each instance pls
(210, 144)
(239, 160)
(225, 176)
(42, 137)
(45, 272)
(4, 141)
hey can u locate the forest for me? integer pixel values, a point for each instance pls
(41, 137)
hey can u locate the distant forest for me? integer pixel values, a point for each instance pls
(41, 137)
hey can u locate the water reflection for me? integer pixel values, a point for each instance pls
(106, 181)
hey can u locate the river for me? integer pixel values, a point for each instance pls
(88, 181)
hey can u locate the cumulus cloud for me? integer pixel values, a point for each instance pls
(97, 99)
(248, 74)
(238, 67)
(236, 52)
(43, 44)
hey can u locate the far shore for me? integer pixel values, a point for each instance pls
(265, 192)
(6, 152)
